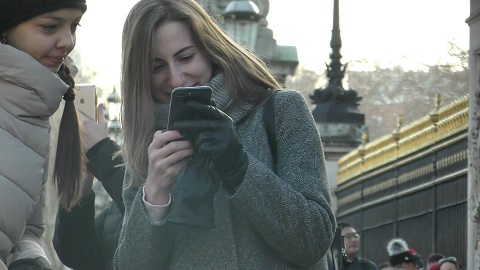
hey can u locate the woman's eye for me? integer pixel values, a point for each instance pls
(187, 58)
(74, 27)
(50, 27)
(158, 68)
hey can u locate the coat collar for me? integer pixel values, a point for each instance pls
(43, 87)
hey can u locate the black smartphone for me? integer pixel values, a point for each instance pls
(180, 96)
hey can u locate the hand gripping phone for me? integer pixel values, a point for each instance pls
(180, 96)
(86, 100)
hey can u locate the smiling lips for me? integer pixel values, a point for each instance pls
(55, 60)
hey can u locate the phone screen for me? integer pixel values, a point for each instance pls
(180, 96)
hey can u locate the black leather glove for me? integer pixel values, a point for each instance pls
(213, 135)
(26, 264)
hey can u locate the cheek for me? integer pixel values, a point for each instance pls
(33, 51)
(207, 71)
(159, 88)
(158, 80)
(74, 44)
(204, 68)
(157, 95)
(24, 43)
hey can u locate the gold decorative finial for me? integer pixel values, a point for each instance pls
(434, 113)
(361, 149)
(364, 136)
(396, 132)
(438, 99)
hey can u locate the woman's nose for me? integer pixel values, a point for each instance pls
(66, 40)
(177, 77)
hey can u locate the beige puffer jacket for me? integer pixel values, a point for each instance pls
(29, 95)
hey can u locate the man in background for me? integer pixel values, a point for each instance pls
(352, 246)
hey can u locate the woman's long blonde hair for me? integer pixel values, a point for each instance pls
(247, 77)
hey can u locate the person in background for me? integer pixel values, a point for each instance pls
(433, 259)
(81, 240)
(418, 259)
(449, 263)
(352, 248)
(384, 266)
(400, 255)
(35, 38)
(270, 212)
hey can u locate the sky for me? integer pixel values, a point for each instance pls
(411, 33)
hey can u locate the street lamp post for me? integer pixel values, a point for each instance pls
(241, 22)
(113, 109)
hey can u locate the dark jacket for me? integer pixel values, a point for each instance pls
(81, 240)
(359, 264)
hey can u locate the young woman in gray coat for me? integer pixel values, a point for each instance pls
(269, 212)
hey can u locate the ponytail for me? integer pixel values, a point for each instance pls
(70, 157)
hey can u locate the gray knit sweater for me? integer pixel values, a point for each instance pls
(278, 218)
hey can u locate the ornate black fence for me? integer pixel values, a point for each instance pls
(412, 185)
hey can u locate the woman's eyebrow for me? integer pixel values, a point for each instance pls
(183, 49)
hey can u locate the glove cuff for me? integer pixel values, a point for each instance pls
(234, 178)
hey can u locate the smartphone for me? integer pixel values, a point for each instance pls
(180, 96)
(86, 100)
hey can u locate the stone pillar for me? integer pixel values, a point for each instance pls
(473, 227)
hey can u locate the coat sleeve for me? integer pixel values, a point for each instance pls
(156, 239)
(290, 207)
(29, 245)
(74, 238)
(78, 234)
(108, 169)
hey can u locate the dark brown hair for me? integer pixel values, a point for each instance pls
(247, 77)
(70, 157)
(342, 225)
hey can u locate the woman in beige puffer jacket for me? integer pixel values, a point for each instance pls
(35, 37)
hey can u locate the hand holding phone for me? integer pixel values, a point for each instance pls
(180, 96)
(214, 136)
(94, 132)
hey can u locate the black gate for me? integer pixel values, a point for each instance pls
(421, 198)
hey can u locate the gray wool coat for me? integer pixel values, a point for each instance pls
(279, 218)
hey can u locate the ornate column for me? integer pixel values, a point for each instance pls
(336, 113)
(473, 203)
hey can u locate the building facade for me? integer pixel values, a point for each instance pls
(281, 59)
